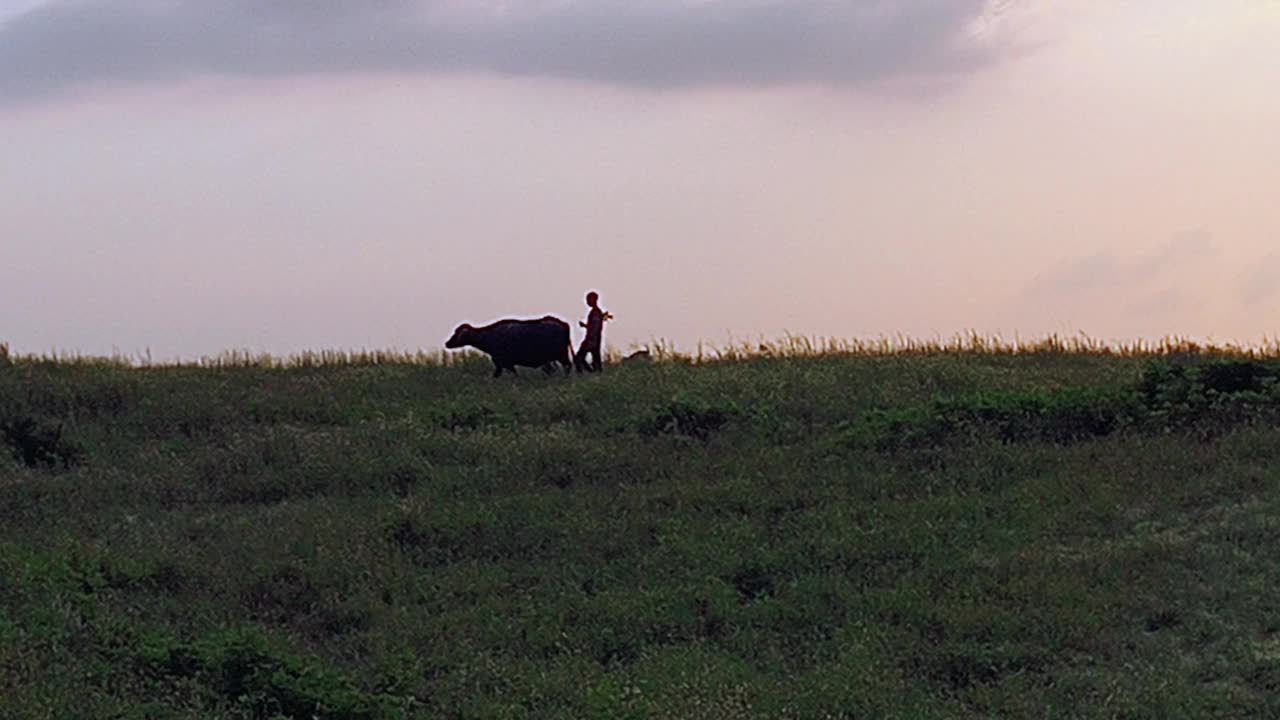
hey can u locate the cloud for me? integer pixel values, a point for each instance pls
(1088, 276)
(66, 45)
(13, 8)
(1148, 294)
(1261, 281)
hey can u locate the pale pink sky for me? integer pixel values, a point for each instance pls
(266, 177)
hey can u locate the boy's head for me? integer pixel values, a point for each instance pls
(592, 298)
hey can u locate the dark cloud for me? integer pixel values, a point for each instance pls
(65, 45)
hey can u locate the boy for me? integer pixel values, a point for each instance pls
(595, 333)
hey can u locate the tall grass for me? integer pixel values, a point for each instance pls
(974, 343)
(660, 349)
(893, 528)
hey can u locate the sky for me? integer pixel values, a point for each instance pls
(180, 177)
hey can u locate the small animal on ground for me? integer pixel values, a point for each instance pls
(511, 342)
(640, 356)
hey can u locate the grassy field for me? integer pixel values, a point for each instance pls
(855, 533)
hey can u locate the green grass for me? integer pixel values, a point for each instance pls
(797, 530)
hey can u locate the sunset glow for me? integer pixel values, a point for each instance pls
(198, 180)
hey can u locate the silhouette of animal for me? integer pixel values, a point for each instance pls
(531, 343)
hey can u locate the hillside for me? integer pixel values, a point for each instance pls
(921, 534)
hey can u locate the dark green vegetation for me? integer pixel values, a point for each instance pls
(915, 535)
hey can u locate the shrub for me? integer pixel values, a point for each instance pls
(1164, 381)
(35, 443)
(685, 418)
(1058, 416)
(457, 416)
(244, 666)
(1209, 396)
(1205, 396)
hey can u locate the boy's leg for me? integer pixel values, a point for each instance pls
(580, 357)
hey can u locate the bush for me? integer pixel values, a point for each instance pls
(1206, 396)
(1209, 396)
(458, 416)
(245, 667)
(35, 443)
(691, 419)
(1058, 416)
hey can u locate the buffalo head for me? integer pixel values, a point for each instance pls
(461, 337)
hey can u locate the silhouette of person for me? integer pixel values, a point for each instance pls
(595, 334)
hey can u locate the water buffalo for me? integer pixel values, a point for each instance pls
(532, 343)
